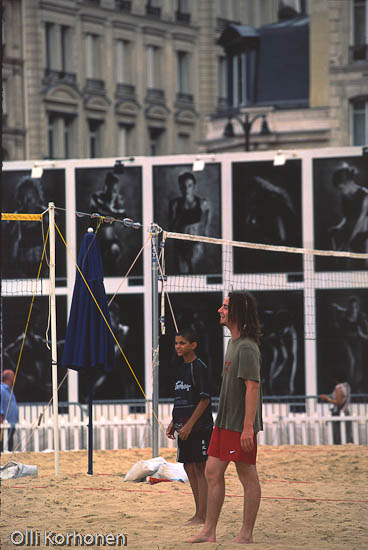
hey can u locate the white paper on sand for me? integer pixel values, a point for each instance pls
(12, 470)
(159, 467)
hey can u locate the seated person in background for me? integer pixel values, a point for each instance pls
(8, 408)
(340, 400)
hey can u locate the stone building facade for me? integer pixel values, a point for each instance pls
(107, 78)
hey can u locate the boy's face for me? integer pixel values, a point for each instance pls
(183, 347)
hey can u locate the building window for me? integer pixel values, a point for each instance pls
(60, 136)
(183, 144)
(93, 58)
(123, 140)
(95, 138)
(4, 106)
(153, 8)
(300, 6)
(183, 72)
(122, 62)
(359, 49)
(222, 79)
(182, 6)
(153, 67)
(359, 110)
(182, 12)
(66, 48)
(58, 42)
(241, 80)
(51, 47)
(155, 141)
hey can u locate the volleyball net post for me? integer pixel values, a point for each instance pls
(155, 341)
(54, 336)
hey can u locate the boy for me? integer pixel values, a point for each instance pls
(192, 419)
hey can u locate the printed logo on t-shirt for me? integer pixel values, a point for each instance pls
(181, 386)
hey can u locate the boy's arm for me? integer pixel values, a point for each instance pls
(185, 431)
(251, 401)
(170, 430)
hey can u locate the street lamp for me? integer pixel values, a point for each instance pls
(247, 124)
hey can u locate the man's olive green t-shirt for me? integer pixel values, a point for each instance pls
(242, 362)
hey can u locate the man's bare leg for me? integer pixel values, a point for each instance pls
(199, 470)
(249, 478)
(189, 468)
(215, 474)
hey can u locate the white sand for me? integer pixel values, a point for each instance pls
(312, 498)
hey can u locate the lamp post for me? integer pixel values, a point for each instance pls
(247, 124)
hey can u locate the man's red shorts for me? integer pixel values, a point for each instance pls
(225, 445)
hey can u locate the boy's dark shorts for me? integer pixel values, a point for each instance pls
(194, 449)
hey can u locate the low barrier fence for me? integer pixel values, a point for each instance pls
(128, 424)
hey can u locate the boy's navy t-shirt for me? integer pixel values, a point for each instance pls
(191, 385)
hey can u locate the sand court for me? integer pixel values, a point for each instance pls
(312, 498)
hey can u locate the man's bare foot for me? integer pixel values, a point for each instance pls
(242, 539)
(202, 537)
(196, 520)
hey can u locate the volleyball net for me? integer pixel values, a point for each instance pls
(313, 307)
(303, 295)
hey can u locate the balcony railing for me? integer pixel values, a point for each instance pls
(125, 90)
(96, 86)
(153, 11)
(182, 17)
(53, 76)
(222, 104)
(358, 52)
(155, 95)
(123, 5)
(184, 98)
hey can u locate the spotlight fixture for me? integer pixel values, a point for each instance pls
(38, 167)
(119, 167)
(198, 165)
(37, 172)
(279, 159)
(119, 164)
(200, 162)
(282, 156)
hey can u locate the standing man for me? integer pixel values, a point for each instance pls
(239, 417)
(8, 407)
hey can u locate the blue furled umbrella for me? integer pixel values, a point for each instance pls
(89, 344)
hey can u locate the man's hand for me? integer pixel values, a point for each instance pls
(185, 431)
(247, 439)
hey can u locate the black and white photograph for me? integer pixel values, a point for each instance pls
(113, 195)
(189, 202)
(23, 241)
(340, 187)
(342, 339)
(282, 344)
(267, 210)
(33, 381)
(127, 323)
(198, 312)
